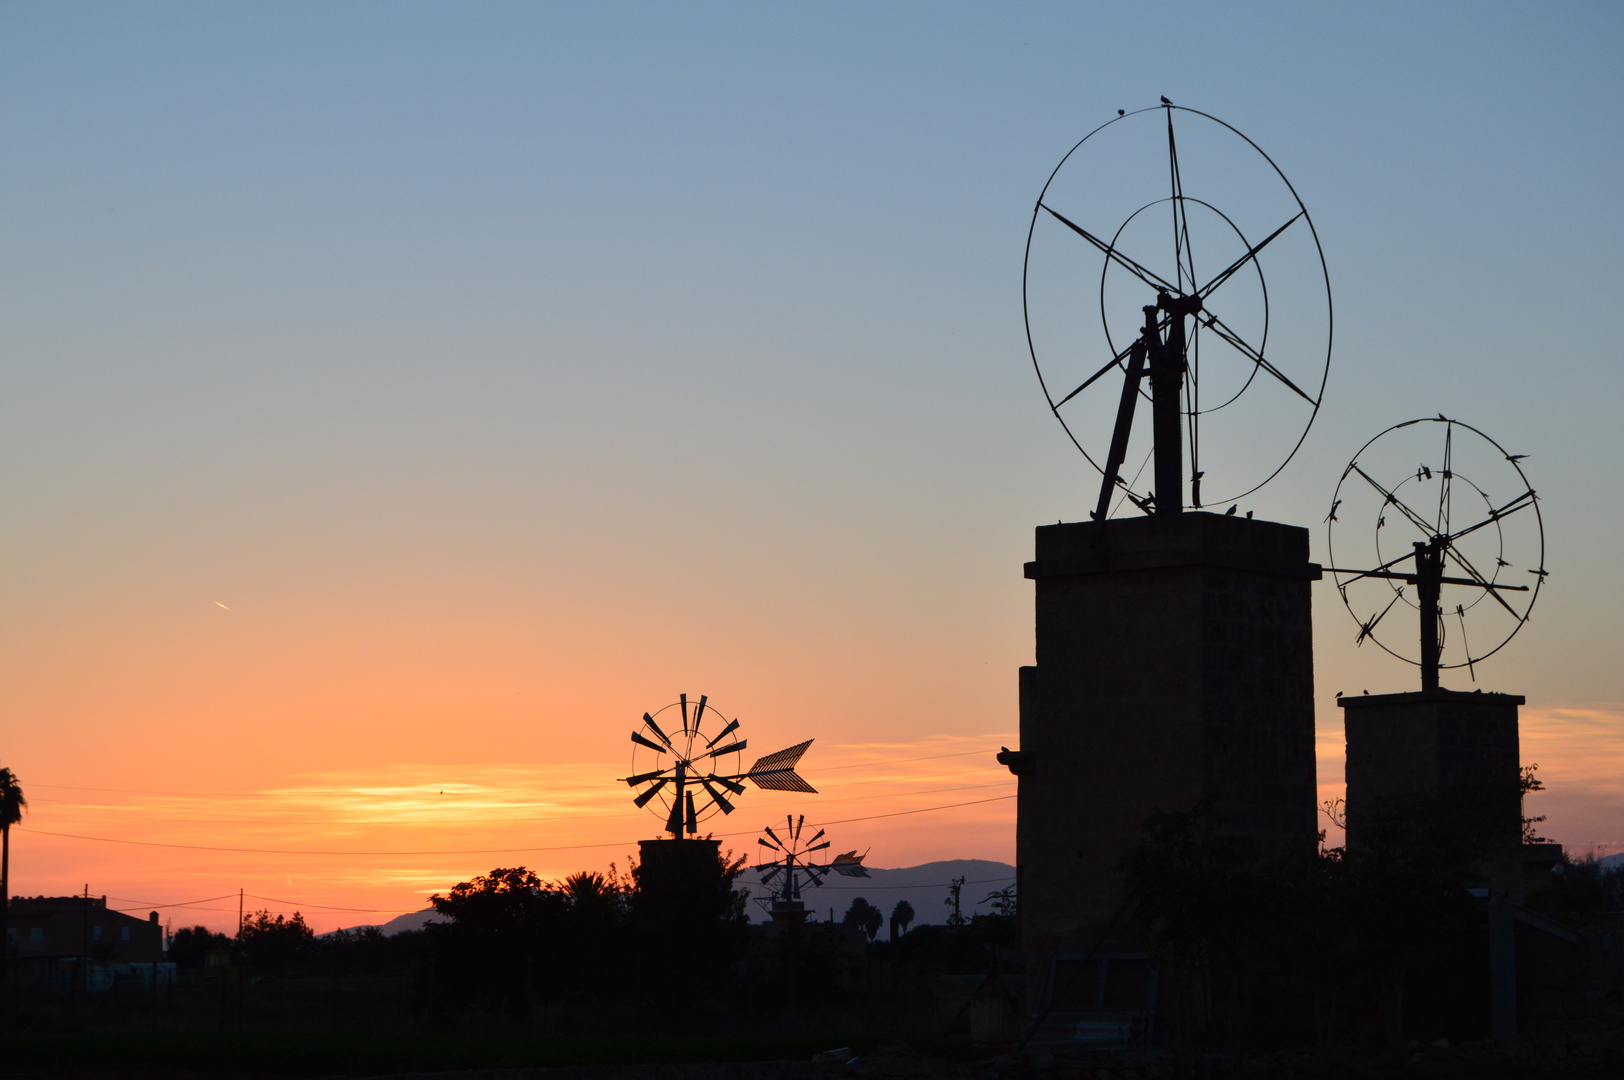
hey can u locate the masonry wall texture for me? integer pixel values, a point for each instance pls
(1424, 741)
(1174, 663)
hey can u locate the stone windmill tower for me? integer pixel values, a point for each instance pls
(1174, 653)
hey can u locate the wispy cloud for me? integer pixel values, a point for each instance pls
(552, 817)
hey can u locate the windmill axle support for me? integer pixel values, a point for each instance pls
(1166, 367)
(1166, 396)
(1429, 590)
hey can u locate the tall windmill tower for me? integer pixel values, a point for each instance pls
(1174, 655)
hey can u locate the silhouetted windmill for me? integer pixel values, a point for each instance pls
(670, 768)
(794, 864)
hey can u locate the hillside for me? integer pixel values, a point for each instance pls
(924, 887)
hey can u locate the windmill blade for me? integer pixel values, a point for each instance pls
(1365, 629)
(819, 847)
(642, 740)
(643, 799)
(673, 821)
(649, 720)
(693, 818)
(699, 710)
(776, 772)
(775, 836)
(770, 872)
(732, 726)
(799, 825)
(813, 874)
(683, 698)
(734, 787)
(730, 748)
(721, 800)
(815, 836)
(850, 864)
(643, 778)
(768, 843)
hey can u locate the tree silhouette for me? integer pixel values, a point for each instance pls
(952, 901)
(1003, 902)
(189, 947)
(901, 916)
(275, 943)
(865, 916)
(498, 923)
(12, 805)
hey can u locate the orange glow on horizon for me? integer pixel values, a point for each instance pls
(379, 841)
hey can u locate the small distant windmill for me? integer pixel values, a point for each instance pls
(671, 767)
(794, 864)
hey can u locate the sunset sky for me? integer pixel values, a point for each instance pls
(396, 400)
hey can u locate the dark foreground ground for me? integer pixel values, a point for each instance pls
(428, 1057)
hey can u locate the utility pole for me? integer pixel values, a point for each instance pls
(239, 914)
(79, 972)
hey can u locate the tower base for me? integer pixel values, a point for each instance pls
(1174, 666)
(1429, 741)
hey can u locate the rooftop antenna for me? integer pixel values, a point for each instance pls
(1183, 303)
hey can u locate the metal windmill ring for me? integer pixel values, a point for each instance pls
(1446, 534)
(1246, 213)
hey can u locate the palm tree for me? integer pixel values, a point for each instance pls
(901, 916)
(12, 805)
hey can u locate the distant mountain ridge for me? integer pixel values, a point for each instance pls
(925, 887)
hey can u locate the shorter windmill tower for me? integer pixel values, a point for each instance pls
(1435, 526)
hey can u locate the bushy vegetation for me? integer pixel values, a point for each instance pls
(1350, 931)
(1587, 887)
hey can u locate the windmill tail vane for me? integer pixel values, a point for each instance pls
(776, 772)
(850, 864)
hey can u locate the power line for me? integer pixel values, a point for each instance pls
(930, 885)
(327, 907)
(474, 851)
(300, 905)
(274, 792)
(578, 817)
(899, 761)
(181, 903)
